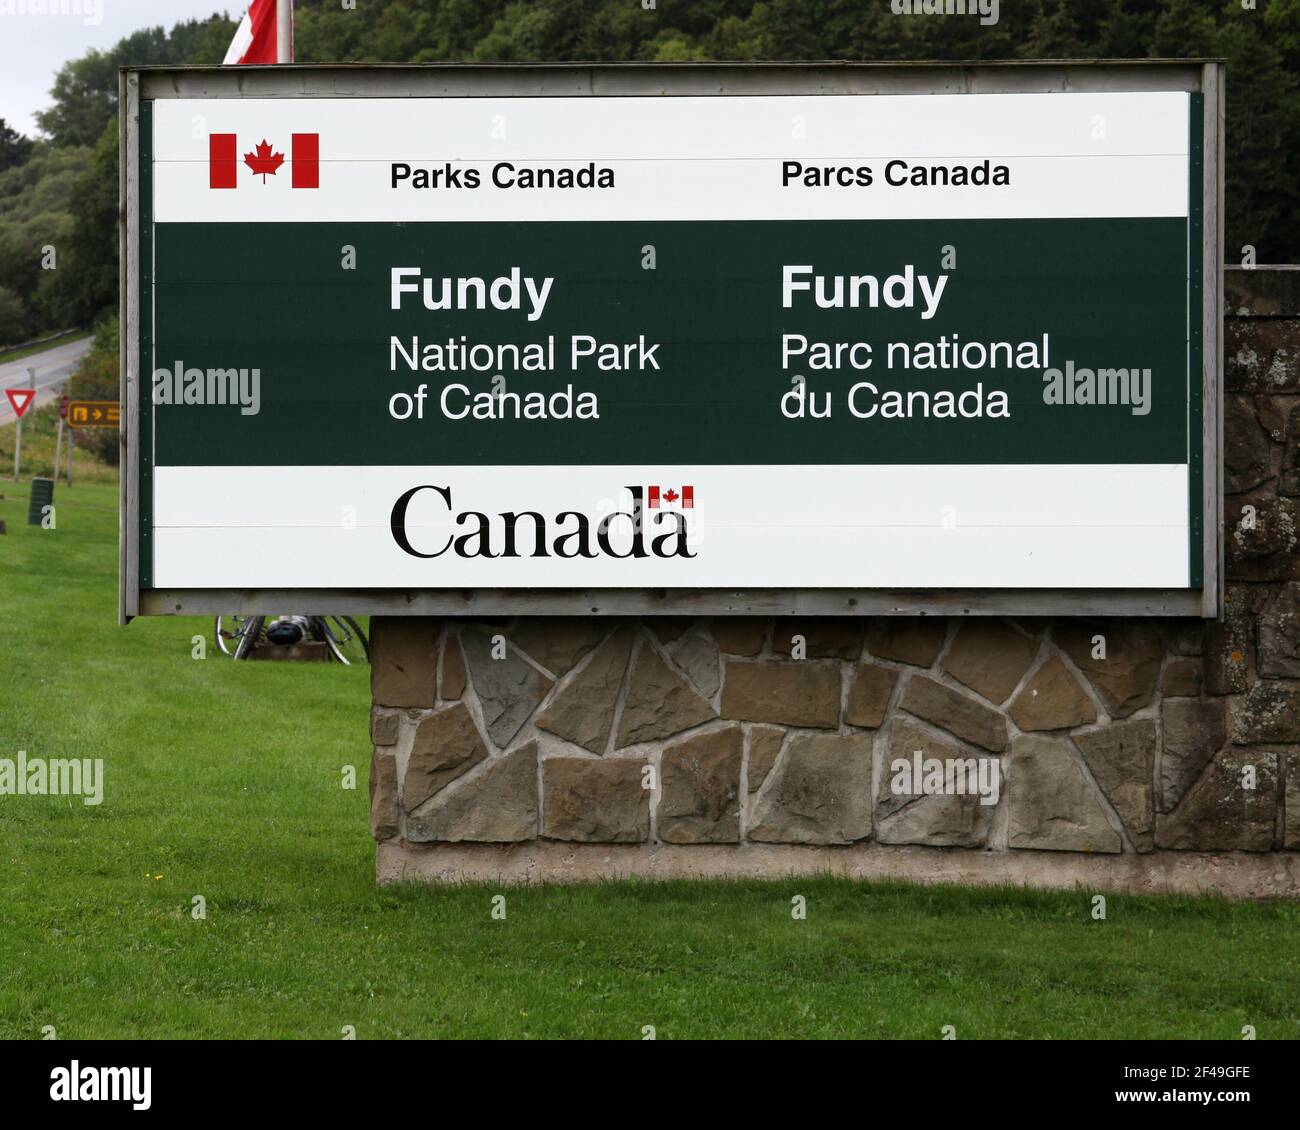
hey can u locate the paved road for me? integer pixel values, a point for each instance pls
(53, 367)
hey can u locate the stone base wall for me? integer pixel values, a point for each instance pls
(1234, 874)
(697, 732)
(766, 745)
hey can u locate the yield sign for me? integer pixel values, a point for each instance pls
(21, 399)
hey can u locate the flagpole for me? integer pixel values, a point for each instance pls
(284, 31)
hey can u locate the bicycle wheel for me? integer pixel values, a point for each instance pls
(361, 635)
(344, 637)
(249, 636)
(230, 632)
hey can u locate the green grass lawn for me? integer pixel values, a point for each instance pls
(224, 780)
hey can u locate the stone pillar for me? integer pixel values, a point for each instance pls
(1133, 754)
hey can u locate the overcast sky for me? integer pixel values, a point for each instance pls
(38, 36)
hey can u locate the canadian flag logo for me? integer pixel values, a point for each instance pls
(657, 496)
(263, 160)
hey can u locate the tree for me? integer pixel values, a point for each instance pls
(37, 202)
(85, 89)
(1055, 32)
(85, 284)
(14, 147)
(13, 318)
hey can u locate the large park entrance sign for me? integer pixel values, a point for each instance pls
(704, 338)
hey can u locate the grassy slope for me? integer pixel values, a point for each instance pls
(40, 445)
(223, 780)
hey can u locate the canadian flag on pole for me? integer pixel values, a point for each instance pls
(264, 35)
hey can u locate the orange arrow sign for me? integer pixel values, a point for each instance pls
(94, 414)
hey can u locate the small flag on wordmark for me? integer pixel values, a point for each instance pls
(655, 495)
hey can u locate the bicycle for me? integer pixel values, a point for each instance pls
(237, 636)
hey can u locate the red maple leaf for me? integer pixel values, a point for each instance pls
(264, 160)
(670, 495)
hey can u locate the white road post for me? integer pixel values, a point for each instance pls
(18, 431)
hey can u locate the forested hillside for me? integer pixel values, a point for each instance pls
(60, 190)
